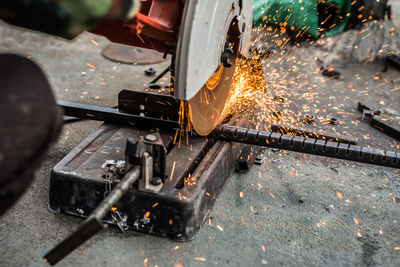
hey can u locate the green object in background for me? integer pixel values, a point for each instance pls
(65, 18)
(83, 14)
(300, 14)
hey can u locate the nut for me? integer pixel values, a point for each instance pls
(150, 72)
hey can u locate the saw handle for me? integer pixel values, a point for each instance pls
(93, 223)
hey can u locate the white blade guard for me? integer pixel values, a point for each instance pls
(203, 34)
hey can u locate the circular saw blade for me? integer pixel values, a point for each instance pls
(207, 106)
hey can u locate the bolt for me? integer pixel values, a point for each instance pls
(225, 57)
(150, 72)
(155, 181)
(151, 138)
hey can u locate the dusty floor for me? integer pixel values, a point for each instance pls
(296, 209)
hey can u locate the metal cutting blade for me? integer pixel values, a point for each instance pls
(206, 108)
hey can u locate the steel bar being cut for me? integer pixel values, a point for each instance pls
(306, 145)
(310, 146)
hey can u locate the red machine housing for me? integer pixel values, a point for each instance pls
(157, 23)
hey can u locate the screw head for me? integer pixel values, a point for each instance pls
(151, 138)
(155, 181)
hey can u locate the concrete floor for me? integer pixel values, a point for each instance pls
(296, 209)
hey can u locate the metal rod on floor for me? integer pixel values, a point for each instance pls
(156, 79)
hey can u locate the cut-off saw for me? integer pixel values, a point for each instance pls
(131, 172)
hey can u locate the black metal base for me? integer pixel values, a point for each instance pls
(196, 173)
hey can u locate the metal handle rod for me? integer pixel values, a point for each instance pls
(309, 146)
(93, 224)
(112, 198)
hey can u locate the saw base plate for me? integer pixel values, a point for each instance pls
(195, 179)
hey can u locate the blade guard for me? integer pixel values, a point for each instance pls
(202, 39)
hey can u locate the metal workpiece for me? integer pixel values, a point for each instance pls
(310, 146)
(93, 223)
(88, 229)
(333, 147)
(313, 133)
